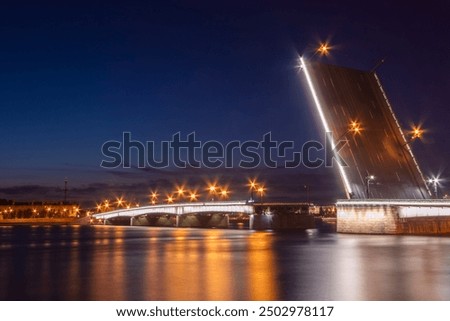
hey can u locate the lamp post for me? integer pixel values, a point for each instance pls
(323, 49)
(224, 193)
(261, 190)
(354, 127)
(169, 199)
(65, 190)
(193, 196)
(212, 190)
(180, 192)
(434, 181)
(119, 202)
(253, 186)
(416, 133)
(369, 180)
(306, 187)
(154, 198)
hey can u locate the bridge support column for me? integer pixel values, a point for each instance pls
(261, 222)
(177, 220)
(424, 217)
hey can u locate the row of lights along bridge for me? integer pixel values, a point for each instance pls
(212, 192)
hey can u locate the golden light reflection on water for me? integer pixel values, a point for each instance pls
(218, 267)
(196, 269)
(73, 274)
(108, 278)
(212, 267)
(262, 270)
(117, 266)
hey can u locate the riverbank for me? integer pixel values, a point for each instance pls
(39, 221)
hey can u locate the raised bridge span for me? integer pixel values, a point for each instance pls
(386, 190)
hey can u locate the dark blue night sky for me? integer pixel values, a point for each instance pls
(75, 75)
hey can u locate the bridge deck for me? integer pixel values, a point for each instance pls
(181, 209)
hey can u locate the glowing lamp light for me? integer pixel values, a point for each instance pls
(433, 180)
(417, 132)
(119, 201)
(224, 193)
(193, 196)
(355, 127)
(324, 49)
(180, 191)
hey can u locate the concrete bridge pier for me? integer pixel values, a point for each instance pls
(261, 222)
(414, 217)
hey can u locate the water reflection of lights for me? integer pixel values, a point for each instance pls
(261, 266)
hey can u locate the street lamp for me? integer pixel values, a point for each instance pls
(261, 190)
(119, 201)
(224, 193)
(193, 196)
(253, 186)
(180, 191)
(324, 49)
(354, 127)
(306, 187)
(435, 182)
(369, 180)
(416, 133)
(212, 190)
(169, 199)
(154, 197)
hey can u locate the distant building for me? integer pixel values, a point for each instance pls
(16, 210)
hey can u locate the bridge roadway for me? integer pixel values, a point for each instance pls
(242, 207)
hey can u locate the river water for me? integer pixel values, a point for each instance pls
(149, 263)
